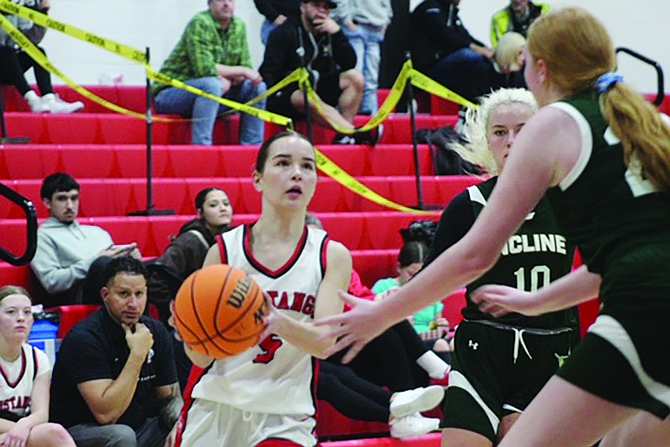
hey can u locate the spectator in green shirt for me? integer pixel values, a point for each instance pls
(212, 55)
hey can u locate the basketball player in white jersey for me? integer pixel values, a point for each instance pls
(25, 374)
(265, 396)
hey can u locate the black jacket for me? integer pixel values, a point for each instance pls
(271, 9)
(437, 31)
(184, 256)
(290, 47)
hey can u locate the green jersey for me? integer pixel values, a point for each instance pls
(603, 206)
(536, 255)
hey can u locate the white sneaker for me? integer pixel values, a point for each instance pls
(57, 105)
(37, 104)
(413, 425)
(412, 401)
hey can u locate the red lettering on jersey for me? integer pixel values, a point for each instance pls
(273, 295)
(308, 308)
(269, 346)
(298, 299)
(283, 303)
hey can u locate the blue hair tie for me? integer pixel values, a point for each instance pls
(607, 81)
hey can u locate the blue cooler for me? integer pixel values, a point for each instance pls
(44, 336)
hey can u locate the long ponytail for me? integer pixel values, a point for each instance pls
(643, 134)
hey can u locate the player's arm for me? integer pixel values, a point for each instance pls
(530, 170)
(572, 289)
(305, 335)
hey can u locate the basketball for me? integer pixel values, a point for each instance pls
(219, 311)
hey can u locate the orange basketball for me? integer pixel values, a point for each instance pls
(219, 311)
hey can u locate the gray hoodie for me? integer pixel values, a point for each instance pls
(364, 12)
(65, 252)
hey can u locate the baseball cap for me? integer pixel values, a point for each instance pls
(331, 4)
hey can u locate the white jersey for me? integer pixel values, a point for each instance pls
(275, 376)
(18, 377)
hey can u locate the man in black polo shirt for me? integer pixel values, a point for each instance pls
(114, 382)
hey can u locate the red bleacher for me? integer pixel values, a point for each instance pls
(106, 153)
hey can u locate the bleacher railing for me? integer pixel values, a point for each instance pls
(31, 231)
(660, 95)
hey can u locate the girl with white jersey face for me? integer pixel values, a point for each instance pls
(300, 270)
(27, 376)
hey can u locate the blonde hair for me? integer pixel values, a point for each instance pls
(475, 149)
(13, 290)
(578, 50)
(508, 51)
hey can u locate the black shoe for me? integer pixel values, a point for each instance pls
(342, 138)
(370, 137)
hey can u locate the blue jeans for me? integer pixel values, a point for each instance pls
(366, 43)
(266, 29)
(204, 111)
(465, 72)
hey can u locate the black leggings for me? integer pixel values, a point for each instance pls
(14, 64)
(352, 396)
(390, 359)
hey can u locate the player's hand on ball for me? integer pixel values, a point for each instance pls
(140, 341)
(500, 300)
(272, 320)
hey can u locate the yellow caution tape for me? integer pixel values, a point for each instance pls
(41, 59)
(407, 73)
(423, 82)
(300, 75)
(123, 51)
(259, 113)
(46, 22)
(331, 169)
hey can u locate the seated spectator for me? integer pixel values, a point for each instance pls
(14, 62)
(429, 321)
(443, 49)
(66, 249)
(187, 251)
(361, 400)
(364, 22)
(184, 256)
(516, 17)
(316, 42)
(212, 55)
(276, 12)
(114, 381)
(26, 374)
(398, 358)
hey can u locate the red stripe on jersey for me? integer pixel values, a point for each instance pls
(324, 255)
(222, 250)
(23, 371)
(193, 379)
(260, 267)
(277, 442)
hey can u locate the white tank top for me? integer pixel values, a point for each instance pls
(274, 377)
(17, 379)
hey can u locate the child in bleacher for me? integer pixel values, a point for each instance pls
(24, 379)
